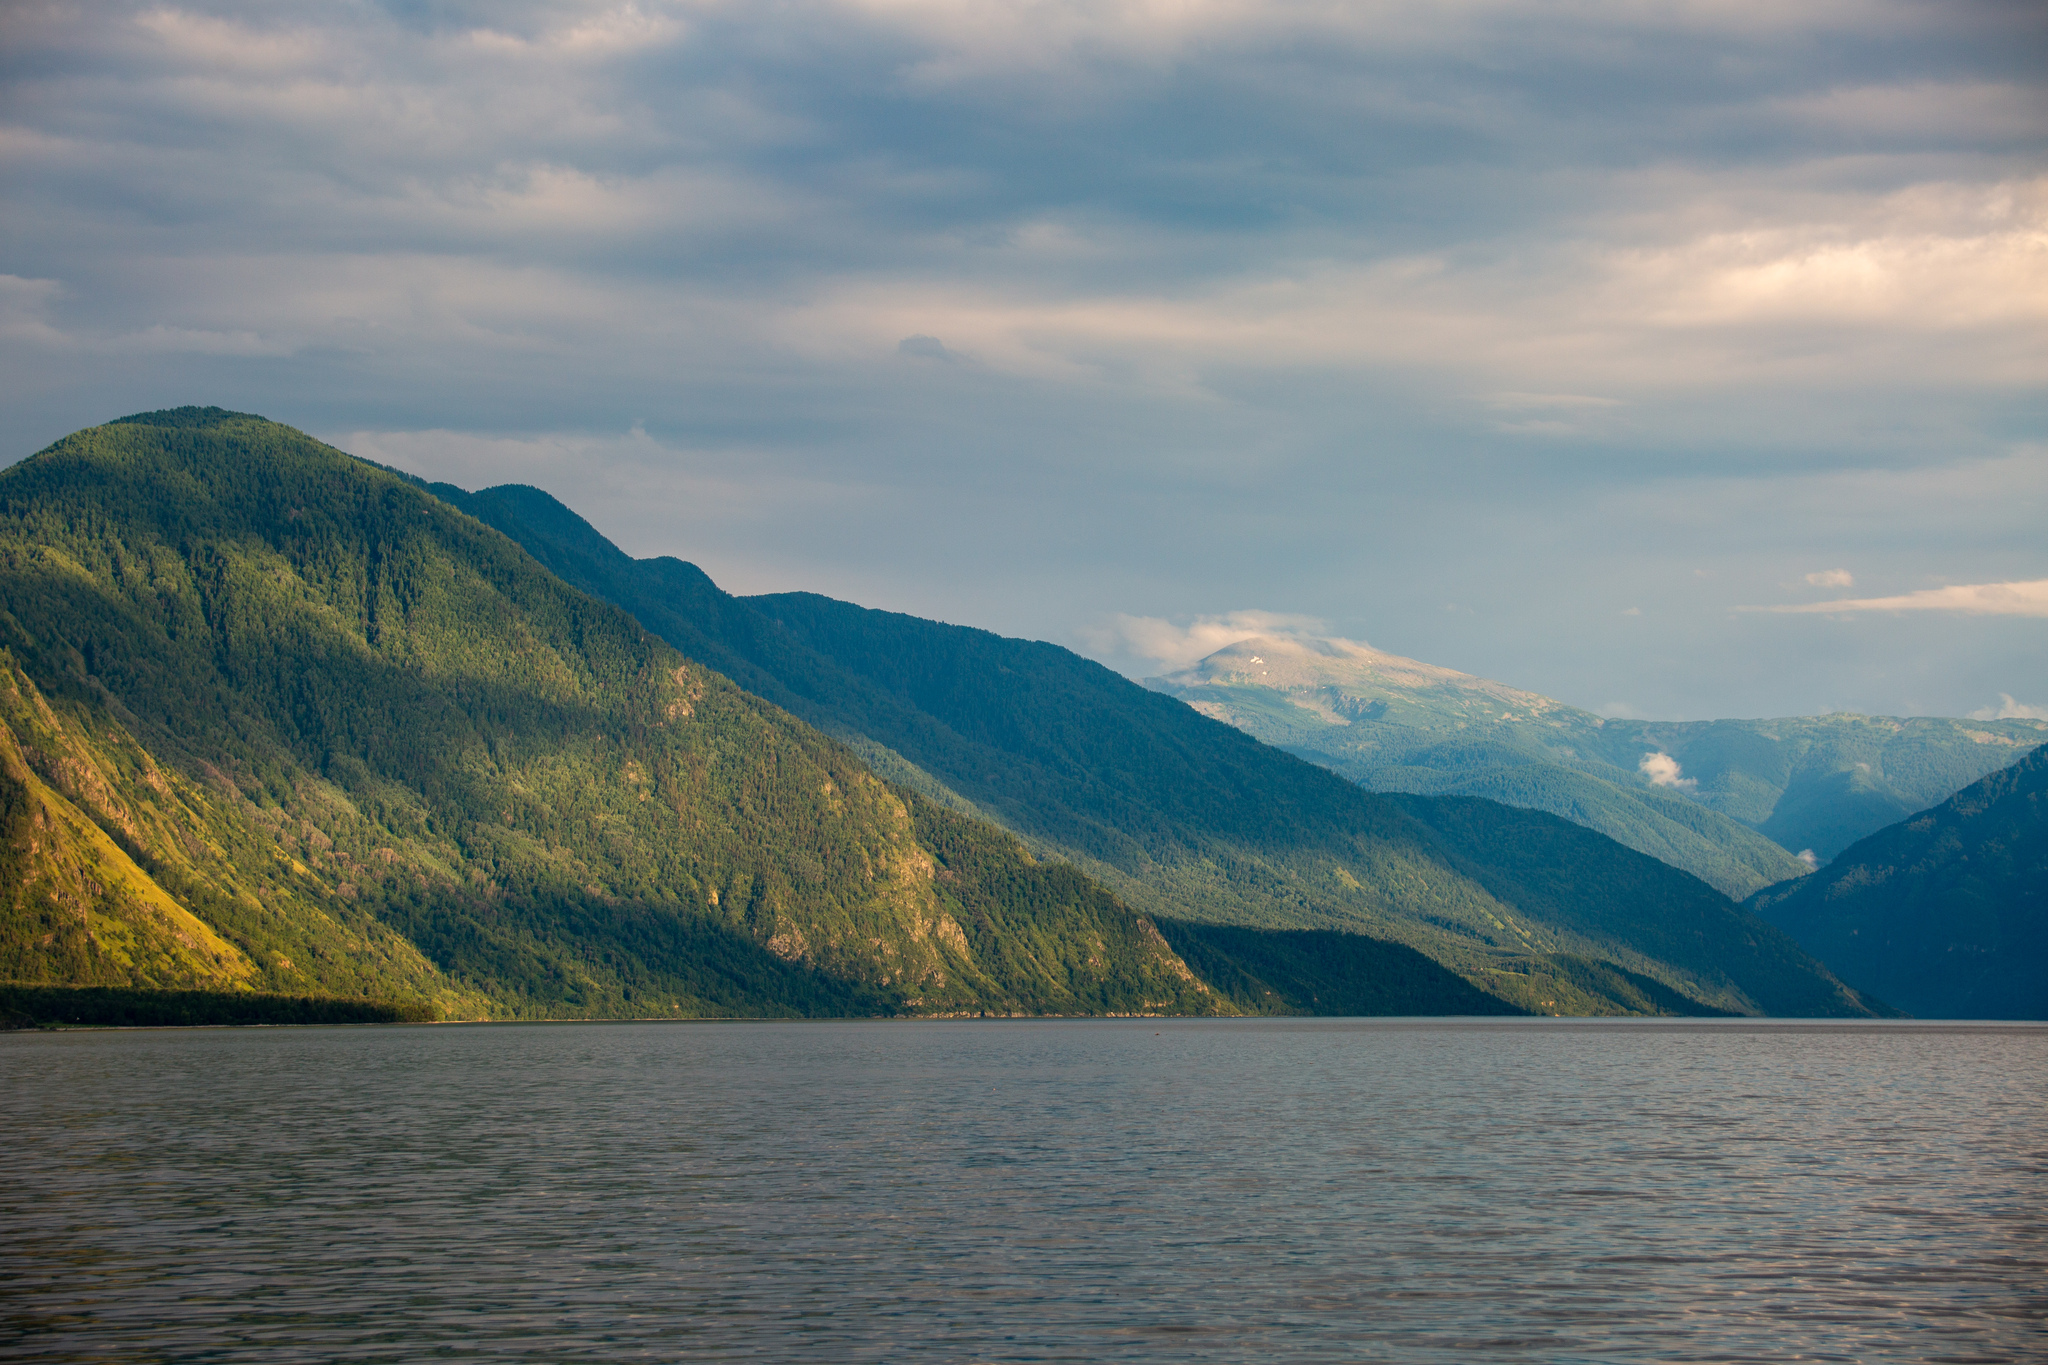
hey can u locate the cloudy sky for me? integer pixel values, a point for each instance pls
(1679, 359)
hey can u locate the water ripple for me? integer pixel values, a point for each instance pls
(1123, 1190)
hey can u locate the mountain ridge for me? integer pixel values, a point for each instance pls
(1182, 817)
(1712, 797)
(1945, 911)
(379, 750)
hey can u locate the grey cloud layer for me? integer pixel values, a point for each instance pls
(1464, 328)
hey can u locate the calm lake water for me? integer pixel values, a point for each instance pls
(1125, 1190)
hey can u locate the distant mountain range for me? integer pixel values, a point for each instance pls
(1731, 801)
(1946, 912)
(1187, 819)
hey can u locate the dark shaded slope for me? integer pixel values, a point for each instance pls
(380, 751)
(1183, 816)
(1574, 879)
(1945, 913)
(128, 1007)
(1320, 971)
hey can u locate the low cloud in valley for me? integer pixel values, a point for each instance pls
(1663, 771)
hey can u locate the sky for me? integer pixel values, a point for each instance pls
(1678, 360)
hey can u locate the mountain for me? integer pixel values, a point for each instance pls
(1735, 796)
(1189, 819)
(275, 720)
(1946, 913)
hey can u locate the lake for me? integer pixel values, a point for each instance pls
(1121, 1190)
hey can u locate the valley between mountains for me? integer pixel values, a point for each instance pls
(276, 720)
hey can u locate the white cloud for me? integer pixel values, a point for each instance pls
(197, 341)
(1945, 109)
(978, 39)
(1174, 645)
(604, 30)
(1807, 856)
(1687, 294)
(1832, 578)
(24, 311)
(1549, 400)
(1662, 770)
(1968, 599)
(2008, 709)
(1932, 258)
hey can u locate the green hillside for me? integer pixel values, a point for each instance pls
(274, 719)
(1181, 816)
(1945, 913)
(1748, 794)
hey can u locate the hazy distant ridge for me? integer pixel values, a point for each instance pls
(1730, 801)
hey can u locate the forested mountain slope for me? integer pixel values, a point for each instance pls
(1185, 817)
(272, 717)
(1945, 913)
(1744, 792)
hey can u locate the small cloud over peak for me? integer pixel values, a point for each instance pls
(1171, 645)
(1807, 856)
(2008, 709)
(1662, 770)
(1832, 578)
(1631, 611)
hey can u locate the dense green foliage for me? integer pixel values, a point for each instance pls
(1944, 913)
(125, 1007)
(380, 752)
(1182, 816)
(1321, 971)
(1039, 930)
